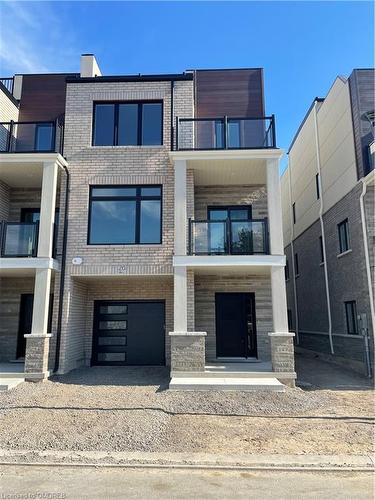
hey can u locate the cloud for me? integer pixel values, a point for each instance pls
(34, 38)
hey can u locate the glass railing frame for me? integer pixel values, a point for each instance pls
(4, 225)
(57, 145)
(228, 243)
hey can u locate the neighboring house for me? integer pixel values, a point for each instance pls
(328, 221)
(169, 244)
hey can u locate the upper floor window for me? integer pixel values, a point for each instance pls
(286, 270)
(296, 264)
(343, 229)
(321, 249)
(317, 185)
(125, 215)
(351, 317)
(128, 124)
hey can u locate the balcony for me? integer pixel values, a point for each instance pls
(228, 237)
(19, 239)
(224, 133)
(31, 137)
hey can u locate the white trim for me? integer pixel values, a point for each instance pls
(28, 263)
(228, 260)
(231, 154)
(344, 253)
(281, 334)
(188, 334)
(33, 158)
(38, 335)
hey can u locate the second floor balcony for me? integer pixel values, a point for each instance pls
(20, 239)
(31, 137)
(223, 133)
(228, 237)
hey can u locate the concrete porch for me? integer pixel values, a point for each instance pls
(249, 376)
(11, 375)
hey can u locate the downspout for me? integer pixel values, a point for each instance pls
(367, 257)
(292, 250)
(322, 230)
(172, 115)
(62, 273)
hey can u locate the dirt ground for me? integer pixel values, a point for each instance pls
(130, 409)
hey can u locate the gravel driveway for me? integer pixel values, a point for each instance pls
(129, 409)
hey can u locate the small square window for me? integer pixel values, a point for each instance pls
(317, 185)
(321, 249)
(343, 230)
(351, 317)
(296, 264)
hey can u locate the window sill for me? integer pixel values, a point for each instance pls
(123, 245)
(344, 253)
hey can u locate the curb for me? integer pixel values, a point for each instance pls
(359, 463)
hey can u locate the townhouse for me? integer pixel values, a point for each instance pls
(142, 226)
(328, 221)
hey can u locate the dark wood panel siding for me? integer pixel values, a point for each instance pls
(237, 92)
(43, 97)
(362, 94)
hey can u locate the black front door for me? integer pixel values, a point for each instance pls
(235, 325)
(26, 319)
(128, 333)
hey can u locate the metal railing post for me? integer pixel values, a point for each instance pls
(9, 138)
(190, 243)
(273, 131)
(225, 133)
(177, 134)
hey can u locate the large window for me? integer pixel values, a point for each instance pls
(343, 229)
(125, 215)
(128, 124)
(351, 317)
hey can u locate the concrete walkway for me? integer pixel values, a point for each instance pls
(112, 483)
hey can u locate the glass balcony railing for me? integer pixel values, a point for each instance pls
(19, 239)
(31, 137)
(228, 237)
(225, 133)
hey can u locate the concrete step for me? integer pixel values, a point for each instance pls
(226, 384)
(11, 374)
(9, 383)
(224, 374)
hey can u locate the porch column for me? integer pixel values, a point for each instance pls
(187, 347)
(282, 349)
(47, 209)
(37, 342)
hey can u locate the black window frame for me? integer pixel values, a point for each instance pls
(116, 104)
(287, 276)
(296, 264)
(137, 198)
(294, 213)
(321, 249)
(353, 312)
(228, 208)
(344, 247)
(317, 186)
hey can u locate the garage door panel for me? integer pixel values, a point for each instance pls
(129, 333)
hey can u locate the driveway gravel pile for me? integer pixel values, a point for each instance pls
(130, 409)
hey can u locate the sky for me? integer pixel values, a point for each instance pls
(301, 45)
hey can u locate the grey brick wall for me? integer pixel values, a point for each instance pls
(10, 298)
(231, 195)
(205, 288)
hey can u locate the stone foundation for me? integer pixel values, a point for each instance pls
(187, 351)
(282, 352)
(36, 359)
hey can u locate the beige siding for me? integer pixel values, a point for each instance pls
(8, 110)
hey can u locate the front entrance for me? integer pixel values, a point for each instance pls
(235, 325)
(26, 319)
(128, 333)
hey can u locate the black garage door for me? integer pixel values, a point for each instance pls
(128, 333)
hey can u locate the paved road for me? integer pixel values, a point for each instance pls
(129, 484)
